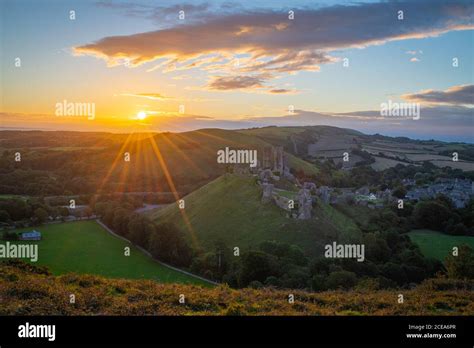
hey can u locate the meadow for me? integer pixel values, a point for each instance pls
(438, 245)
(85, 247)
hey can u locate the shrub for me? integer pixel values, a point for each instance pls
(341, 279)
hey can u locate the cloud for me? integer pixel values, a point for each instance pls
(182, 77)
(456, 95)
(276, 44)
(162, 15)
(152, 96)
(293, 61)
(282, 91)
(159, 97)
(414, 52)
(247, 83)
(236, 82)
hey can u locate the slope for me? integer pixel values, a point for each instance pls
(229, 209)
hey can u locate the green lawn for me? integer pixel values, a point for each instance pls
(438, 245)
(85, 247)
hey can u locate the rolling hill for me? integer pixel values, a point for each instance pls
(230, 209)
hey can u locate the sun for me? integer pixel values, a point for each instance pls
(141, 115)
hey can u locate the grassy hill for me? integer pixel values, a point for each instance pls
(85, 247)
(230, 209)
(27, 290)
(438, 245)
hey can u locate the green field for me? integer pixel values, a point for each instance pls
(85, 247)
(13, 197)
(438, 245)
(229, 209)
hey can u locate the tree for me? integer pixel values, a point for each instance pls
(295, 278)
(54, 212)
(9, 235)
(376, 248)
(63, 211)
(458, 230)
(139, 230)
(41, 215)
(168, 245)
(4, 216)
(297, 256)
(395, 272)
(399, 191)
(256, 265)
(88, 211)
(101, 208)
(461, 266)
(341, 279)
(120, 221)
(431, 214)
(318, 283)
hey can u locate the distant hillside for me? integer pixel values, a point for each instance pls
(189, 157)
(230, 209)
(28, 290)
(326, 142)
(56, 163)
(296, 139)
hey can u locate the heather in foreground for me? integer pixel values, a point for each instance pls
(30, 290)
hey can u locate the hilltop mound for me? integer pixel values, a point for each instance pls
(230, 209)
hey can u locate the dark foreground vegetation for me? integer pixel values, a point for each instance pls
(30, 290)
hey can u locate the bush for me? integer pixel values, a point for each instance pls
(255, 284)
(461, 266)
(10, 235)
(168, 245)
(432, 215)
(272, 281)
(395, 272)
(341, 279)
(256, 265)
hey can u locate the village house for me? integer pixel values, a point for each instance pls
(33, 235)
(460, 191)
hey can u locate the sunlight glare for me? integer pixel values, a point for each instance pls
(141, 115)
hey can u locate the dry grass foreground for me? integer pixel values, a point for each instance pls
(29, 290)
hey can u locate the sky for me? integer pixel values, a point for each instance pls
(145, 65)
